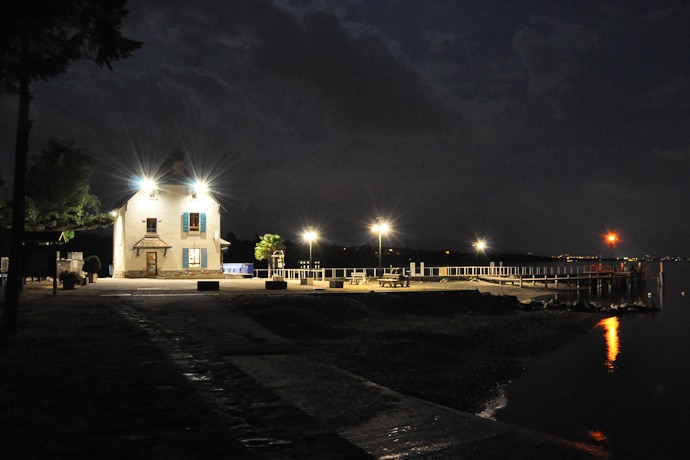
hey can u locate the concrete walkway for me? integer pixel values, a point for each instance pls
(204, 335)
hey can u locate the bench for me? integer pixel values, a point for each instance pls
(358, 278)
(393, 279)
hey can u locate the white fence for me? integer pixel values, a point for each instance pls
(323, 274)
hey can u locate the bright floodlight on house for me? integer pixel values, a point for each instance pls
(200, 186)
(147, 185)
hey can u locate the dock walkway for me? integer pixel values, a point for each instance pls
(617, 280)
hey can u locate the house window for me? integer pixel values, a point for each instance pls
(151, 225)
(194, 257)
(194, 222)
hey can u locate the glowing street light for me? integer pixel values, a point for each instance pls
(381, 228)
(310, 235)
(611, 240)
(479, 245)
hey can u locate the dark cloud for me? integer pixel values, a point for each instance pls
(552, 52)
(538, 126)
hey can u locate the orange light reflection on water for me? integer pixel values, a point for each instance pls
(610, 325)
(598, 435)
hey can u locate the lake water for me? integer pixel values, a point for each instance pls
(625, 386)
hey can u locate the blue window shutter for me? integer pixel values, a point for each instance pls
(185, 222)
(204, 257)
(185, 257)
(202, 223)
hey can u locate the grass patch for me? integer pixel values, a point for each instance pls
(452, 348)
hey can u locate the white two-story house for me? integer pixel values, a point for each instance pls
(168, 228)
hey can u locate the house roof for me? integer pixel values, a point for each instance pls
(170, 173)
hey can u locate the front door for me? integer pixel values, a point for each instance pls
(151, 264)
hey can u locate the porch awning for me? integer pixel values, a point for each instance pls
(151, 242)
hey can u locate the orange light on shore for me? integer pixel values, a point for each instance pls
(611, 240)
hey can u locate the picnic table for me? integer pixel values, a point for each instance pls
(392, 279)
(358, 278)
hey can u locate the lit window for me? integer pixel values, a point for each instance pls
(194, 221)
(195, 257)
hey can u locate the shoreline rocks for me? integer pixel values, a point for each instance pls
(592, 307)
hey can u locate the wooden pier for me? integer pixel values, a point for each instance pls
(595, 280)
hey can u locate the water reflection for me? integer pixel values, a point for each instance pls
(610, 325)
(598, 435)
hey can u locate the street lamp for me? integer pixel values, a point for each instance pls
(611, 239)
(381, 228)
(310, 235)
(479, 245)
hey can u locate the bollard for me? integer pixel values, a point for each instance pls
(207, 285)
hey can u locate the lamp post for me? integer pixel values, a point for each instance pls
(381, 228)
(611, 239)
(479, 245)
(310, 235)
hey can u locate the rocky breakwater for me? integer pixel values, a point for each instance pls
(592, 307)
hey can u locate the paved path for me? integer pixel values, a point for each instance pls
(283, 405)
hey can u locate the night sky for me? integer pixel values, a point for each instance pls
(538, 126)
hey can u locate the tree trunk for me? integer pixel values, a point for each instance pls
(16, 268)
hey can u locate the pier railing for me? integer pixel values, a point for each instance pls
(323, 274)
